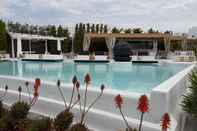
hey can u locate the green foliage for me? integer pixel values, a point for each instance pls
(3, 111)
(97, 28)
(66, 44)
(93, 28)
(189, 103)
(168, 32)
(43, 124)
(24, 28)
(19, 110)
(52, 30)
(63, 120)
(137, 30)
(79, 36)
(1, 108)
(151, 30)
(60, 31)
(6, 122)
(88, 27)
(105, 29)
(3, 36)
(101, 28)
(128, 31)
(116, 30)
(79, 127)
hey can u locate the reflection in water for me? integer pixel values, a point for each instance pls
(124, 76)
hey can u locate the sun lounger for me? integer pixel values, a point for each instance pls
(86, 58)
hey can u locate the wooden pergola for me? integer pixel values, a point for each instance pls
(111, 38)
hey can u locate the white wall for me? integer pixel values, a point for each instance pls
(165, 97)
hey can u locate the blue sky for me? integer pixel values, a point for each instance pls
(176, 15)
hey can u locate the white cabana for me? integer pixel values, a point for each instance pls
(110, 42)
(19, 37)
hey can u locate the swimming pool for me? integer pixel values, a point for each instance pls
(130, 77)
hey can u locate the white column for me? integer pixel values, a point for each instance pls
(30, 46)
(13, 48)
(19, 48)
(59, 45)
(46, 49)
(155, 45)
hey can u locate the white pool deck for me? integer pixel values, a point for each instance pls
(104, 116)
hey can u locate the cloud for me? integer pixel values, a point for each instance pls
(3, 8)
(178, 15)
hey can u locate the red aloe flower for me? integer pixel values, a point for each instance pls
(165, 122)
(37, 82)
(87, 79)
(143, 104)
(118, 101)
(143, 107)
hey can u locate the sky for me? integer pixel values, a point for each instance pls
(175, 15)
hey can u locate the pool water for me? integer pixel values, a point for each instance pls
(119, 76)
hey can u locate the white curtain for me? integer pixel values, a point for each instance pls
(19, 46)
(58, 45)
(86, 43)
(110, 42)
(167, 44)
(155, 45)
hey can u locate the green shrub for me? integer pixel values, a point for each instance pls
(19, 110)
(15, 118)
(43, 124)
(1, 109)
(189, 103)
(21, 125)
(6, 123)
(63, 120)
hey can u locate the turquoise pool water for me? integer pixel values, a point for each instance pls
(119, 76)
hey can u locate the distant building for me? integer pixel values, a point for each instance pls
(193, 32)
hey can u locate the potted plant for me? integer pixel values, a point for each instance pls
(189, 103)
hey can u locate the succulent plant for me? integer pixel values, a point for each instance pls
(6, 123)
(19, 110)
(79, 127)
(63, 120)
(43, 124)
(1, 108)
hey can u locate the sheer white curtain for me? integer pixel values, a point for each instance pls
(86, 43)
(110, 42)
